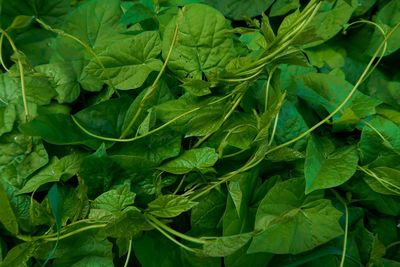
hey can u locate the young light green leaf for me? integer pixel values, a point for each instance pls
(169, 206)
(325, 168)
(199, 159)
(287, 221)
(21, 21)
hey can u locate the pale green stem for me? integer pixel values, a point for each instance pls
(21, 73)
(1, 52)
(129, 253)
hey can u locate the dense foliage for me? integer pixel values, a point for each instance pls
(199, 133)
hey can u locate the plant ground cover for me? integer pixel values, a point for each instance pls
(199, 133)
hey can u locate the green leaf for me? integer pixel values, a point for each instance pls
(52, 12)
(96, 24)
(57, 170)
(238, 9)
(21, 156)
(203, 43)
(290, 125)
(329, 91)
(226, 245)
(169, 206)
(327, 168)
(384, 180)
(385, 204)
(99, 172)
(332, 16)
(208, 212)
(93, 251)
(48, 126)
(192, 116)
(136, 13)
(380, 137)
(21, 21)
(145, 154)
(196, 87)
(7, 216)
(114, 200)
(19, 255)
(287, 221)
(63, 79)
(281, 7)
(128, 63)
(199, 159)
(55, 205)
(105, 118)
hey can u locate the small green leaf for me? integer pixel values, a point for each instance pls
(169, 206)
(199, 159)
(114, 200)
(21, 21)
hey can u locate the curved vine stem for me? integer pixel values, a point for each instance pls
(346, 228)
(129, 253)
(1, 52)
(21, 72)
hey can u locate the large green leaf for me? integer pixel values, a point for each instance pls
(203, 43)
(287, 221)
(96, 24)
(327, 167)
